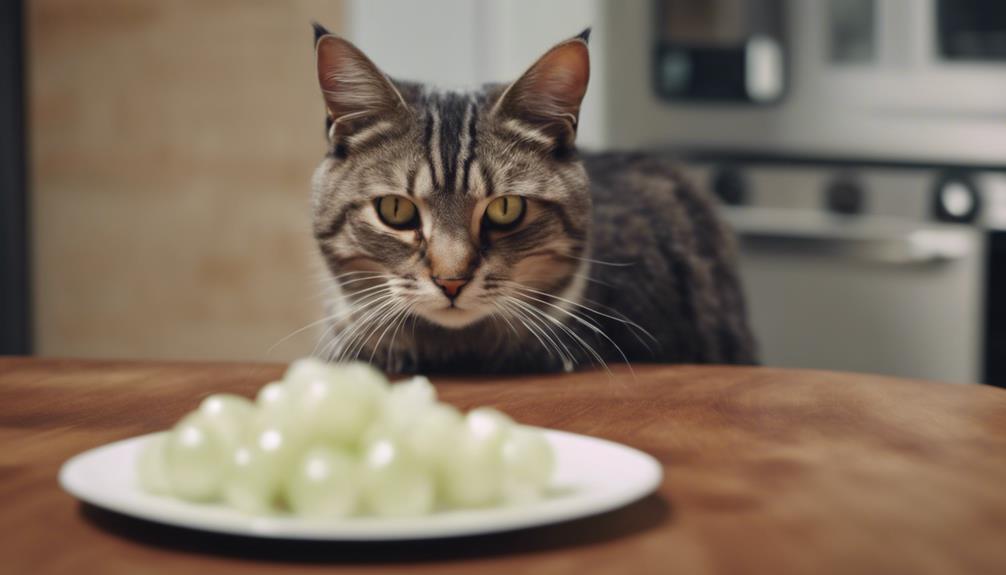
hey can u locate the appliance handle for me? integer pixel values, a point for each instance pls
(917, 247)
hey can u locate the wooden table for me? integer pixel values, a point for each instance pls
(767, 471)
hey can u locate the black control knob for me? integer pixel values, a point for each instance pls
(956, 198)
(730, 186)
(846, 195)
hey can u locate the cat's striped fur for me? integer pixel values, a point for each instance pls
(618, 258)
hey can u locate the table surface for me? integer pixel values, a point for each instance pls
(766, 470)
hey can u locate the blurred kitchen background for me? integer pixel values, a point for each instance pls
(156, 159)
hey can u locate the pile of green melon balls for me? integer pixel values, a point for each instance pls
(337, 440)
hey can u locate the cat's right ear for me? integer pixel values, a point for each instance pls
(356, 92)
(543, 105)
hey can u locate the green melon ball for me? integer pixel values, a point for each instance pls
(406, 401)
(337, 411)
(324, 484)
(395, 484)
(433, 433)
(488, 424)
(472, 468)
(195, 459)
(528, 464)
(152, 468)
(228, 417)
(253, 479)
(306, 368)
(273, 396)
(280, 444)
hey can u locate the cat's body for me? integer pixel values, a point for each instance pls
(669, 264)
(595, 259)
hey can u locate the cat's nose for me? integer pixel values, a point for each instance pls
(451, 286)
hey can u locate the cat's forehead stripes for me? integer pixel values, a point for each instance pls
(450, 135)
(452, 112)
(431, 145)
(469, 138)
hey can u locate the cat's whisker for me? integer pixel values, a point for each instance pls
(590, 279)
(352, 302)
(387, 320)
(348, 336)
(589, 325)
(391, 321)
(564, 330)
(531, 297)
(637, 330)
(329, 290)
(598, 262)
(375, 301)
(363, 327)
(415, 318)
(502, 315)
(333, 345)
(398, 323)
(360, 304)
(349, 296)
(589, 309)
(331, 318)
(568, 356)
(296, 331)
(356, 273)
(365, 279)
(583, 343)
(404, 317)
(523, 320)
(326, 277)
(553, 344)
(326, 339)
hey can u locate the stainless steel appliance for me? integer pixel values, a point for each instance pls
(881, 82)
(859, 148)
(864, 268)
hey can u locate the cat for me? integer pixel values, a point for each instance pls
(464, 232)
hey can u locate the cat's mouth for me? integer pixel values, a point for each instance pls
(452, 315)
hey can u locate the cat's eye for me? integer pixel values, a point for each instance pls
(506, 211)
(397, 212)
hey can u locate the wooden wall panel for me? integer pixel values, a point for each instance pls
(172, 145)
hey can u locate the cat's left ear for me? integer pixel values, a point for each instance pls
(543, 105)
(356, 92)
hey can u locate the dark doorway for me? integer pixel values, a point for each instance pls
(15, 317)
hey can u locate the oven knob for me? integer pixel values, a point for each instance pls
(845, 195)
(956, 199)
(730, 186)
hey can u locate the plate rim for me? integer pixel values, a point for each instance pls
(265, 528)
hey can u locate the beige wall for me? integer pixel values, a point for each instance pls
(172, 145)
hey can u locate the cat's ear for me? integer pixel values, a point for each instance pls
(356, 92)
(544, 104)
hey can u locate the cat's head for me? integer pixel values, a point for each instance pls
(444, 205)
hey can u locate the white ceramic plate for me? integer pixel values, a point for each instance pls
(592, 476)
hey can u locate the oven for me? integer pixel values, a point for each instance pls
(859, 267)
(859, 151)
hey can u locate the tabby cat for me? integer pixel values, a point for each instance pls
(465, 232)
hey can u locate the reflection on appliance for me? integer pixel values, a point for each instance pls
(850, 267)
(720, 51)
(869, 194)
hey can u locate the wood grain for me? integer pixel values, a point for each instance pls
(767, 471)
(172, 146)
